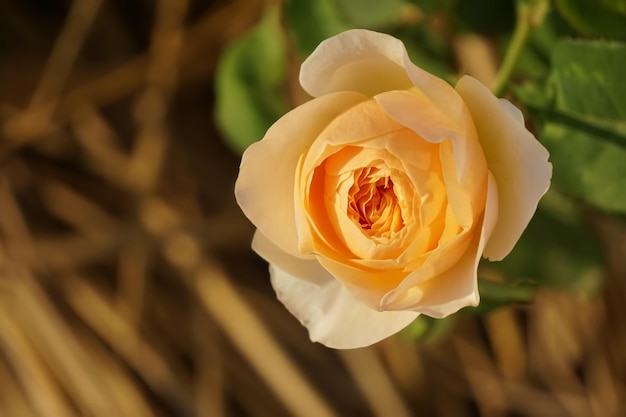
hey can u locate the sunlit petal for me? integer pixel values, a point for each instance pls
(457, 287)
(332, 316)
(517, 160)
(356, 60)
(267, 172)
(307, 269)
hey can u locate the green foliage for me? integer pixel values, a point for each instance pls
(495, 294)
(618, 6)
(428, 51)
(585, 131)
(429, 330)
(484, 16)
(310, 22)
(428, 6)
(534, 63)
(371, 13)
(487, 17)
(595, 18)
(557, 249)
(249, 83)
(589, 77)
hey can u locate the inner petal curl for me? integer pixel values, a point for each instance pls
(373, 203)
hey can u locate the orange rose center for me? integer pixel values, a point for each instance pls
(373, 204)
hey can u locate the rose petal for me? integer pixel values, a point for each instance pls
(267, 171)
(440, 93)
(458, 286)
(366, 120)
(368, 285)
(416, 111)
(463, 159)
(413, 111)
(517, 160)
(371, 63)
(336, 197)
(307, 269)
(365, 126)
(332, 316)
(355, 60)
(513, 111)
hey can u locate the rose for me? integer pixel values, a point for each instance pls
(375, 200)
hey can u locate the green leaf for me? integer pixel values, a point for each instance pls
(497, 294)
(585, 132)
(557, 249)
(537, 96)
(618, 6)
(428, 6)
(488, 17)
(429, 330)
(589, 78)
(371, 14)
(534, 62)
(311, 21)
(249, 83)
(587, 166)
(428, 51)
(594, 18)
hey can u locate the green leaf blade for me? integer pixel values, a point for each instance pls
(311, 22)
(557, 250)
(589, 78)
(585, 131)
(595, 18)
(249, 83)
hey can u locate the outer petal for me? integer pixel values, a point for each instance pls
(265, 186)
(355, 60)
(332, 316)
(371, 63)
(457, 287)
(516, 159)
(308, 270)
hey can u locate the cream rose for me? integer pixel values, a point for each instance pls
(375, 200)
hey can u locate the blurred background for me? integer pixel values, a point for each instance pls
(127, 283)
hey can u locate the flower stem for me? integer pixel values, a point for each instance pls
(530, 14)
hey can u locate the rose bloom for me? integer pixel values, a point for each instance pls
(375, 200)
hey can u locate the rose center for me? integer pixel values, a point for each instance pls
(373, 203)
